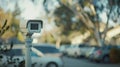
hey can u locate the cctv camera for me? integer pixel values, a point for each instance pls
(34, 26)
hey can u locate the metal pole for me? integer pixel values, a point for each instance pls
(28, 48)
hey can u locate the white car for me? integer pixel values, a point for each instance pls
(49, 56)
(38, 58)
(73, 51)
(63, 49)
(79, 50)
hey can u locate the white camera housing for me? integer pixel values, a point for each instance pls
(34, 26)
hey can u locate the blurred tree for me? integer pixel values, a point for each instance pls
(79, 16)
(87, 13)
(64, 21)
(112, 8)
(47, 3)
(9, 25)
(16, 23)
(68, 23)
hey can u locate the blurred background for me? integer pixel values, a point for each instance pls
(95, 22)
(77, 24)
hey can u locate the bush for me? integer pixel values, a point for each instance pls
(115, 55)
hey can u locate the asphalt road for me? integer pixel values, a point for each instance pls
(72, 62)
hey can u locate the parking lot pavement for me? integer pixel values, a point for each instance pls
(72, 62)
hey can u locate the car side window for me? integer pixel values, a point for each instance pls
(46, 49)
(15, 52)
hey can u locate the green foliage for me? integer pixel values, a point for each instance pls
(65, 42)
(63, 17)
(50, 39)
(11, 26)
(47, 38)
(68, 22)
(64, 21)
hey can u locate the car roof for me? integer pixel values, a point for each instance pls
(18, 47)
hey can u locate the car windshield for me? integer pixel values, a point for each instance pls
(46, 49)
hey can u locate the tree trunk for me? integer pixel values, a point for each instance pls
(87, 21)
(97, 35)
(106, 28)
(58, 42)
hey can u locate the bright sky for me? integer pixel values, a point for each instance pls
(31, 10)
